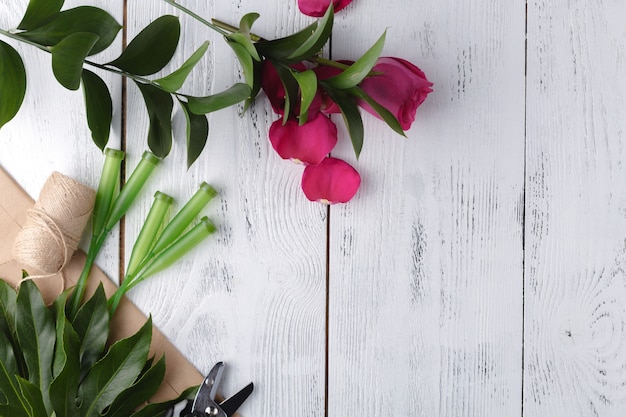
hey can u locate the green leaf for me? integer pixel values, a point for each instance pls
(246, 22)
(117, 370)
(318, 39)
(152, 48)
(39, 12)
(385, 114)
(354, 74)
(159, 105)
(160, 409)
(256, 84)
(352, 118)
(68, 56)
(245, 41)
(12, 82)
(8, 300)
(291, 89)
(203, 105)
(92, 327)
(307, 81)
(175, 80)
(245, 60)
(79, 19)
(99, 107)
(140, 392)
(279, 49)
(32, 396)
(64, 387)
(12, 403)
(36, 335)
(196, 134)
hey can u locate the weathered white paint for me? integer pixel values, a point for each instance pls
(478, 272)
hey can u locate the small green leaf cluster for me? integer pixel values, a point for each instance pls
(52, 364)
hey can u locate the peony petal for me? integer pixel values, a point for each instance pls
(331, 181)
(307, 144)
(317, 8)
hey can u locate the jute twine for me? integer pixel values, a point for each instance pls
(54, 225)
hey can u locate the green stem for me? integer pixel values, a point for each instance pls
(197, 17)
(17, 37)
(79, 290)
(232, 29)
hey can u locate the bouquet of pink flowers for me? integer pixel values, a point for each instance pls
(303, 88)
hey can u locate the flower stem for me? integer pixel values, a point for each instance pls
(79, 290)
(232, 29)
(197, 17)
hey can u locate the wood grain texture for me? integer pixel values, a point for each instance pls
(254, 294)
(50, 131)
(426, 262)
(576, 190)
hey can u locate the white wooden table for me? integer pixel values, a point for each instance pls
(480, 270)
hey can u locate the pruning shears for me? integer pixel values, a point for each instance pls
(205, 403)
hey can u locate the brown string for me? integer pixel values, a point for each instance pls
(54, 226)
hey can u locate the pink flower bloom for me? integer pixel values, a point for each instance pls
(328, 106)
(331, 181)
(307, 144)
(401, 88)
(275, 91)
(317, 8)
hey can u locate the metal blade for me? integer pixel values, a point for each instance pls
(231, 405)
(205, 398)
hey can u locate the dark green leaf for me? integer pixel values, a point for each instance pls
(8, 299)
(279, 49)
(160, 409)
(68, 56)
(245, 41)
(92, 326)
(291, 89)
(203, 105)
(116, 371)
(245, 60)
(12, 82)
(316, 41)
(175, 80)
(256, 84)
(385, 114)
(159, 105)
(246, 22)
(10, 352)
(64, 387)
(32, 396)
(307, 81)
(140, 392)
(152, 48)
(99, 107)
(36, 336)
(196, 134)
(79, 19)
(352, 118)
(359, 70)
(12, 403)
(39, 12)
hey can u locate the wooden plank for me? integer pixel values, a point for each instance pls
(50, 131)
(426, 262)
(253, 295)
(576, 188)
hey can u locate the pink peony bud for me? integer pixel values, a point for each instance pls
(307, 144)
(317, 8)
(400, 88)
(331, 181)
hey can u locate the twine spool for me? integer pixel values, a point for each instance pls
(54, 225)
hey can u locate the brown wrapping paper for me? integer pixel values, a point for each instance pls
(14, 202)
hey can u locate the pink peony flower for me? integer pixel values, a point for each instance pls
(317, 8)
(401, 88)
(331, 181)
(307, 144)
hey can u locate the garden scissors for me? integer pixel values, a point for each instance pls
(205, 405)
